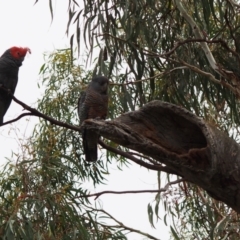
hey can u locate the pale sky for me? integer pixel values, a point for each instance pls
(27, 25)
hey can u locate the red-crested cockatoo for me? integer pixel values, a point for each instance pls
(10, 62)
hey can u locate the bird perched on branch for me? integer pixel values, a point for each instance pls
(10, 62)
(93, 103)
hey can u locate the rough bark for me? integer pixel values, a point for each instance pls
(191, 148)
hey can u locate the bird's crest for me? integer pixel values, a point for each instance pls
(18, 52)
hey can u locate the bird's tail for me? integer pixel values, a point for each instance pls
(2, 111)
(90, 141)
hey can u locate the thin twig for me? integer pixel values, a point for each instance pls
(121, 225)
(177, 45)
(137, 81)
(206, 201)
(212, 78)
(232, 35)
(198, 34)
(35, 112)
(149, 78)
(128, 228)
(97, 195)
(199, 40)
(17, 118)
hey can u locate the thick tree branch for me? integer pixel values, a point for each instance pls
(171, 135)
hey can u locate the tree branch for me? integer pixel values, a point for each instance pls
(211, 77)
(155, 167)
(128, 228)
(149, 78)
(198, 35)
(183, 142)
(132, 191)
(121, 225)
(17, 118)
(35, 112)
(198, 39)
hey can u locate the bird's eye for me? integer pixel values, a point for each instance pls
(18, 53)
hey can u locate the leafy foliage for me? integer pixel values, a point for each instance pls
(43, 195)
(136, 38)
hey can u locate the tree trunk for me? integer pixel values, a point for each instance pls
(184, 143)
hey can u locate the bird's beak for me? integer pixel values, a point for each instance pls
(29, 50)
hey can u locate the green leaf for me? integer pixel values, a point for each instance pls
(175, 235)
(150, 215)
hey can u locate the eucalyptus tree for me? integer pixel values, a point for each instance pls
(174, 101)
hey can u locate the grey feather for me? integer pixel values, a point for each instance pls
(93, 103)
